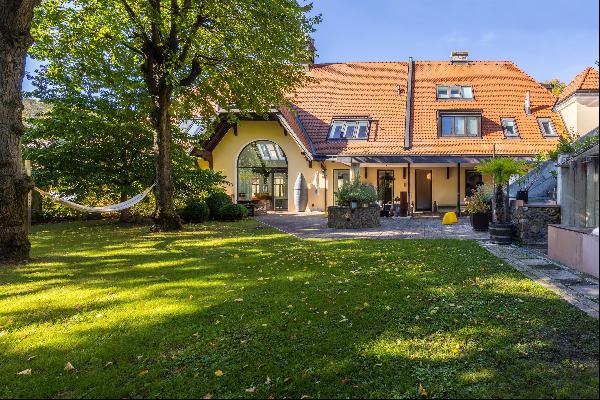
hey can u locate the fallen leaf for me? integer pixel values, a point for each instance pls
(25, 372)
(208, 396)
(218, 373)
(69, 366)
(251, 389)
(31, 358)
(346, 381)
(422, 391)
(268, 381)
(143, 372)
(239, 300)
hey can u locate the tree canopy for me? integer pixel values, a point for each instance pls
(176, 59)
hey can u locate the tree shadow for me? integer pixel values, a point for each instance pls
(284, 317)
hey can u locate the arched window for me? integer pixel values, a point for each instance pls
(262, 171)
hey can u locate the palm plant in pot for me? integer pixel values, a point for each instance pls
(479, 207)
(501, 169)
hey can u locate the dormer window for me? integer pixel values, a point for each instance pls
(547, 127)
(350, 129)
(459, 123)
(509, 126)
(454, 92)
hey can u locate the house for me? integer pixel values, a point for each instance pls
(414, 129)
(578, 107)
(578, 102)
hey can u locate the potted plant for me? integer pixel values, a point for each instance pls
(356, 194)
(479, 207)
(355, 207)
(501, 169)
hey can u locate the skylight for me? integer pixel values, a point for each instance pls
(509, 126)
(454, 92)
(547, 127)
(192, 127)
(270, 151)
(349, 129)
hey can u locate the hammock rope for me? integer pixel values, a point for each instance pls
(106, 209)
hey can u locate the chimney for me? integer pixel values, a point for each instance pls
(310, 47)
(459, 57)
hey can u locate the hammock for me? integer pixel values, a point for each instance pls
(112, 208)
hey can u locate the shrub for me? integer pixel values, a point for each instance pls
(362, 193)
(195, 211)
(216, 201)
(233, 212)
(480, 201)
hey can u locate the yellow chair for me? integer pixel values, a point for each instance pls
(449, 218)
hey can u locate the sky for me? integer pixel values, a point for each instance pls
(547, 38)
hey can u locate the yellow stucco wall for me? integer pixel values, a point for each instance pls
(443, 189)
(321, 190)
(226, 153)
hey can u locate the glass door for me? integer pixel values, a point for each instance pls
(280, 190)
(385, 186)
(473, 179)
(340, 176)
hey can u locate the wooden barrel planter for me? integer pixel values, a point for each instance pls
(501, 233)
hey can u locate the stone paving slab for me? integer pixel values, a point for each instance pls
(313, 225)
(577, 288)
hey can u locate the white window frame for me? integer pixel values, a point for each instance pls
(448, 92)
(551, 125)
(516, 134)
(350, 129)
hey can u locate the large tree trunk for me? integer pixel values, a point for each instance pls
(15, 22)
(125, 215)
(166, 219)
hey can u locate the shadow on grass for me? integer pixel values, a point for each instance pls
(145, 315)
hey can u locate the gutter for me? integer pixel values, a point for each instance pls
(409, 98)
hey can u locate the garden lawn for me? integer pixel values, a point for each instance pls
(242, 310)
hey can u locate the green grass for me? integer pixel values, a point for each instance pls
(141, 314)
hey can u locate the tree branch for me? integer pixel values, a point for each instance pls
(195, 70)
(200, 21)
(136, 21)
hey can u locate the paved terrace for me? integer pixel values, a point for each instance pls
(313, 225)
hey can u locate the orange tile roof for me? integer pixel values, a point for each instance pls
(586, 80)
(378, 90)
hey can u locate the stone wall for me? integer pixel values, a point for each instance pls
(348, 218)
(531, 222)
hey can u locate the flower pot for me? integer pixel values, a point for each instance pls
(523, 195)
(501, 233)
(481, 221)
